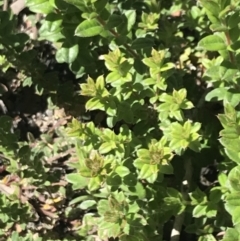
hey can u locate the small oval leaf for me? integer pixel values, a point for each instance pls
(212, 43)
(88, 28)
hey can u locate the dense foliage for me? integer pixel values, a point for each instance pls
(148, 146)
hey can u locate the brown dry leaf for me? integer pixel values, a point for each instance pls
(5, 180)
(49, 207)
(12, 189)
(75, 224)
(10, 178)
(18, 228)
(35, 236)
(18, 6)
(8, 190)
(54, 200)
(49, 214)
(177, 13)
(60, 113)
(61, 183)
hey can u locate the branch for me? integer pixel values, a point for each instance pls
(5, 5)
(177, 226)
(229, 42)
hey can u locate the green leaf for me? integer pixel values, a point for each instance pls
(233, 178)
(4, 18)
(114, 21)
(133, 208)
(87, 204)
(212, 43)
(141, 43)
(211, 210)
(88, 28)
(78, 181)
(94, 104)
(172, 192)
(199, 211)
(114, 180)
(211, 6)
(139, 190)
(27, 82)
(122, 171)
(195, 146)
(79, 199)
(111, 108)
(106, 225)
(147, 171)
(103, 206)
(15, 236)
(215, 195)
(218, 93)
(100, 5)
(218, 27)
(39, 6)
(67, 53)
(111, 121)
(106, 147)
(130, 180)
(232, 199)
(232, 206)
(225, 11)
(167, 66)
(114, 231)
(207, 237)
(131, 18)
(166, 169)
(233, 20)
(94, 184)
(152, 178)
(231, 234)
(116, 79)
(51, 28)
(222, 178)
(123, 68)
(233, 155)
(132, 238)
(230, 133)
(79, 4)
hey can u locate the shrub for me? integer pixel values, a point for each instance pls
(161, 82)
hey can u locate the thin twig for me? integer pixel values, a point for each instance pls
(177, 227)
(5, 5)
(229, 43)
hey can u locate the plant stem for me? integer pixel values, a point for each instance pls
(229, 42)
(5, 5)
(177, 226)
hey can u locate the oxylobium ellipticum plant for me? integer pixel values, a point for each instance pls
(127, 54)
(162, 80)
(222, 73)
